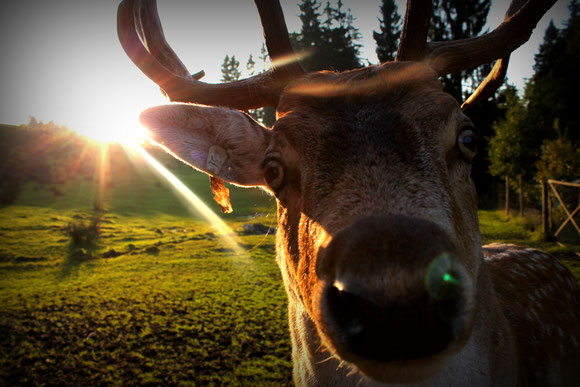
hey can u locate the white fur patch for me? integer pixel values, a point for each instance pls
(216, 157)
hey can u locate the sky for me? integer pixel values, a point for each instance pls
(62, 61)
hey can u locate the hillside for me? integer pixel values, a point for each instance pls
(60, 169)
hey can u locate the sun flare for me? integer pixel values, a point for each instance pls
(116, 122)
(194, 203)
(123, 134)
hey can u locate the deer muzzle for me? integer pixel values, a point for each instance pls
(393, 290)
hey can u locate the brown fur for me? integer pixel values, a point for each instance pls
(370, 160)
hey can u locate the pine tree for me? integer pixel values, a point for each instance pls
(264, 57)
(230, 69)
(310, 18)
(331, 44)
(390, 30)
(341, 37)
(459, 19)
(251, 65)
(266, 115)
(553, 87)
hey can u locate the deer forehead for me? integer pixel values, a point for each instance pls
(370, 102)
(383, 151)
(396, 121)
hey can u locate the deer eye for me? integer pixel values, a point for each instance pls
(274, 174)
(467, 142)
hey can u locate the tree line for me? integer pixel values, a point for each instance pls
(537, 137)
(526, 136)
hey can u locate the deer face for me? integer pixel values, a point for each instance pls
(378, 233)
(378, 239)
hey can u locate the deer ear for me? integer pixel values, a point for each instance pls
(221, 142)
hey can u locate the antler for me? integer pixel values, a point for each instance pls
(497, 74)
(413, 42)
(142, 38)
(452, 56)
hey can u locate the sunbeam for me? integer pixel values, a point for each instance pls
(195, 202)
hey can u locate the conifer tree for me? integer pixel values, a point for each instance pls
(459, 19)
(331, 44)
(230, 69)
(266, 115)
(390, 30)
(251, 65)
(552, 90)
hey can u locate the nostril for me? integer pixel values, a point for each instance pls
(351, 311)
(412, 327)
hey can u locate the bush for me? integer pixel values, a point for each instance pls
(10, 188)
(83, 232)
(560, 160)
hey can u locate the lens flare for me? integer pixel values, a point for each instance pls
(441, 281)
(195, 202)
(450, 278)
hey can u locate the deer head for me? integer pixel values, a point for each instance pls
(378, 240)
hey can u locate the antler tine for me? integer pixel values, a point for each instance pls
(134, 48)
(152, 34)
(161, 65)
(496, 76)
(490, 84)
(453, 56)
(277, 39)
(413, 42)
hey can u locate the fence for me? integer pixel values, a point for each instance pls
(547, 208)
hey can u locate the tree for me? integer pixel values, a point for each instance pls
(507, 152)
(458, 19)
(33, 122)
(330, 44)
(483, 115)
(341, 37)
(554, 85)
(251, 66)
(257, 114)
(266, 115)
(536, 140)
(390, 30)
(559, 160)
(230, 69)
(311, 31)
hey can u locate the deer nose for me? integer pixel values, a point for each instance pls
(394, 290)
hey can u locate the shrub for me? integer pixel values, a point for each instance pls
(83, 232)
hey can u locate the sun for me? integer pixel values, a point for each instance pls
(127, 133)
(118, 124)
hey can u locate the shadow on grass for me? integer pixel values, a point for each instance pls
(78, 254)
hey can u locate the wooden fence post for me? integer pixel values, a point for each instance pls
(521, 184)
(545, 210)
(507, 198)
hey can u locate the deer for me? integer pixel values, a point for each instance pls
(378, 239)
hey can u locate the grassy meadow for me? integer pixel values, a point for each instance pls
(158, 297)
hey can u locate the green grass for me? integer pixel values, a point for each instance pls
(158, 298)
(188, 311)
